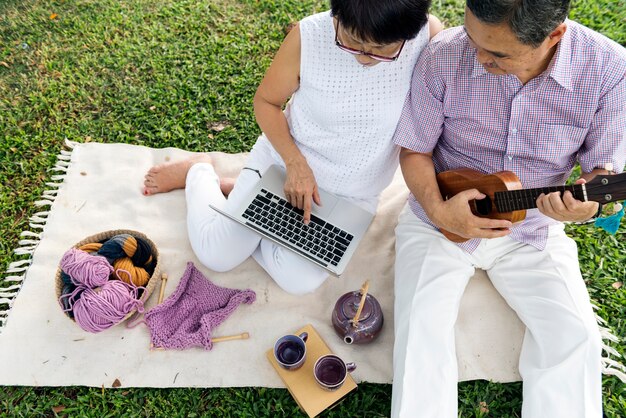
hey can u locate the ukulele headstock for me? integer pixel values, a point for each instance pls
(607, 188)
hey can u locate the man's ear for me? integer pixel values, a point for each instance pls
(556, 35)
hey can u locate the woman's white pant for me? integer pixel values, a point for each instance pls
(560, 360)
(222, 244)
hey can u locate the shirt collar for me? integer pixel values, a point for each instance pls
(559, 68)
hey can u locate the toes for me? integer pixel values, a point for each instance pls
(153, 171)
(150, 190)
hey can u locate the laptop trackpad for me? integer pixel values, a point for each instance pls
(328, 204)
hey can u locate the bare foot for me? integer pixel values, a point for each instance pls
(166, 177)
(226, 185)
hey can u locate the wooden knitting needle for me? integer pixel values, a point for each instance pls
(162, 291)
(242, 336)
(161, 295)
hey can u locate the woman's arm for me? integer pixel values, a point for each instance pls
(281, 80)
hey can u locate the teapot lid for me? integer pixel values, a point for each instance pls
(350, 305)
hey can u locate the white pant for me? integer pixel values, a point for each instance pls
(222, 244)
(560, 360)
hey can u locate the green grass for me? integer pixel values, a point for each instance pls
(167, 73)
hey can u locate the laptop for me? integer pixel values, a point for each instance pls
(329, 240)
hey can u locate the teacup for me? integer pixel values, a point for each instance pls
(290, 351)
(330, 371)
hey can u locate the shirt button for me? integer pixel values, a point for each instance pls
(510, 157)
(513, 131)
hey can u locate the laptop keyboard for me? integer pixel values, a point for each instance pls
(318, 240)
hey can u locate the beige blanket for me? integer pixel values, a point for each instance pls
(99, 189)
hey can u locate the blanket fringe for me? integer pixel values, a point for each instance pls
(609, 365)
(11, 280)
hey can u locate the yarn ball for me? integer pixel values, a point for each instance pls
(131, 258)
(86, 269)
(126, 245)
(128, 273)
(66, 279)
(92, 247)
(101, 308)
(66, 299)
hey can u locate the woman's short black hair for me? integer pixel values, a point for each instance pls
(382, 21)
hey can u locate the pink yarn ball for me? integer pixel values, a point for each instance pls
(99, 309)
(86, 269)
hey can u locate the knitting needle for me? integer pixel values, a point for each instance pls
(161, 294)
(162, 291)
(242, 336)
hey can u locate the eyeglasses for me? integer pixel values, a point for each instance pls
(353, 51)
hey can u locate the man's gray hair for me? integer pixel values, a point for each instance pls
(530, 20)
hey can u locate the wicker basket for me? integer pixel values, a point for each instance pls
(103, 236)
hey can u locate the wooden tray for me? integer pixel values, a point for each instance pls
(302, 385)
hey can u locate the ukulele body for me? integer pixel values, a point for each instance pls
(455, 181)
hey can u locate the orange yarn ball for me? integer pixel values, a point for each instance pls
(138, 276)
(92, 247)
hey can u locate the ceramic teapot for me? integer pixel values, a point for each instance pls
(357, 317)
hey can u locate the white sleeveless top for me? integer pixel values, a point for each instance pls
(343, 116)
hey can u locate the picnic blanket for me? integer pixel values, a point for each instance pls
(98, 188)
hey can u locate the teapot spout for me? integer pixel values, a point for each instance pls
(349, 337)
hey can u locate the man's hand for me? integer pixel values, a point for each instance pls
(566, 208)
(454, 215)
(301, 188)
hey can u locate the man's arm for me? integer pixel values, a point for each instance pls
(453, 215)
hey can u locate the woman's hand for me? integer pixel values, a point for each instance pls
(301, 187)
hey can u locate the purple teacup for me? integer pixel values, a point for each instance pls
(330, 371)
(290, 351)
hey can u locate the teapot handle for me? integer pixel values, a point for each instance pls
(364, 289)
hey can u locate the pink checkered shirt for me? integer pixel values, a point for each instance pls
(574, 111)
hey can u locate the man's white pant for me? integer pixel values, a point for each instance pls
(222, 244)
(560, 360)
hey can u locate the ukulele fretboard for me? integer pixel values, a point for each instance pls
(512, 200)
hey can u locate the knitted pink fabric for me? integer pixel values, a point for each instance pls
(188, 316)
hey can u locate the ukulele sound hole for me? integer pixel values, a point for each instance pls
(483, 206)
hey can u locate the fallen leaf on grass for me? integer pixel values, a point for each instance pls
(53, 16)
(57, 409)
(4, 64)
(219, 126)
(116, 383)
(483, 407)
(617, 285)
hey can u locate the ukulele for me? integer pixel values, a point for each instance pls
(506, 199)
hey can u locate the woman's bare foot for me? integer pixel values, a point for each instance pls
(226, 185)
(166, 177)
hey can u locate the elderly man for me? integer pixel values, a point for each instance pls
(518, 88)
